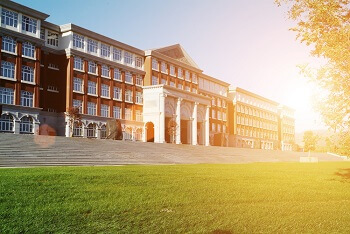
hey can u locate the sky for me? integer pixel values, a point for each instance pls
(246, 43)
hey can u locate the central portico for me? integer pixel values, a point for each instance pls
(190, 112)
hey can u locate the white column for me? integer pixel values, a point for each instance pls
(133, 132)
(144, 134)
(38, 28)
(161, 129)
(178, 121)
(207, 126)
(17, 126)
(194, 124)
(98, 133)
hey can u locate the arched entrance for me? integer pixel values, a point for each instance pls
(150, 132)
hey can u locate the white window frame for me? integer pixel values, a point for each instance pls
(29, 24)
(128, 96)
(128, 58)
(92, 67)
(78, 85)
(117, 112)
(52, 38)
(117, 74)
(26, 125)
(104, 90)
(92, 87)
(128, 77)
(7, 95)
(27, 98)
(78, 104)
(117, 54)
(105, 50)
(78, 63)
(155, 65)
(92, 46)
(9, 18)
(128, 114)
(78, 41)
(117, 93)
(139, 97)
(91, 108)
(8, 44)
(154, 80)
(105, 71)
(27, 74)
(104, 110)
(7, 69)
(28, 49)
(6, 123)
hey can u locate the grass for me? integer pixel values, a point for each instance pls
(239, 198)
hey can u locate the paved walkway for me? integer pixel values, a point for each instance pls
(29, 150)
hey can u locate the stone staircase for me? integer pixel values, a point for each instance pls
(29, 150)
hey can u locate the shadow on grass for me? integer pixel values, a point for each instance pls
(344, 173)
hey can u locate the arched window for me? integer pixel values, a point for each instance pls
(7, 69)
(128, 134)
(28, 49)
(103, 132)
(77, 129)
(27, 73)
(6, 123)
(91, 130)
(26, 125)
(8, 44)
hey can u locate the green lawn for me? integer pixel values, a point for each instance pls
(238, 198)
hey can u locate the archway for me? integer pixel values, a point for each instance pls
(150, 132)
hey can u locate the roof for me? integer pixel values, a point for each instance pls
(23, 9)
(240, 90)
(177, 52)
(91, 34)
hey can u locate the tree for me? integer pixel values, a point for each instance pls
(325, 26)
(73, 116)
(310, 141)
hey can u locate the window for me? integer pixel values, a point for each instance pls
(104, 90)
(92, 46)
(172, 70)
(9, 18)
(77, 129)
(8, 44)
(213, 113)
(117, 54)
(28, 49)
(219, 102)
(6, 95)
(139, 98)
(139, 80)
(105, 71)
(92, 67)
(28, 24)
(213, 102)
(103, 132)
(194, 78)
(105, 50)
(179, 73)
(128, 57)
(77, 84)
(219, 127)
(26, 98)
(179, 85)
(128, 77)
(219, 114)
(117, 74)
(6, 123)
(7, 69)
(172, 83)
(92, 87)
(163, 81)
(52, 38)
(154, 80)
(138, 62)
(187, 75)
(116, 112)
(213, 127)
(138, 115)
(42, 33)
(53, 66)
(91, 108)
(104, 110)
(78, 63)
(128, 114)
(78, 41)
(26, 125)
(163, 67)
(27, 73)
(91, 130)
(224, 103)
(224, 116)
(128, 96)
(78, 104)
(154, 64)
(117, 93)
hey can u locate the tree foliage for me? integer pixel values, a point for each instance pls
(325, 27)
(310, 141)
(73, 116)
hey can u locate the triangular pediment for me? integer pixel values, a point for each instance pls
(177, 52)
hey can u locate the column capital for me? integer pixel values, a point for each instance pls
(196, 103)
(179, 99)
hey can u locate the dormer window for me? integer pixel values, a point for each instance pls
(29, 24)
(9, 18)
